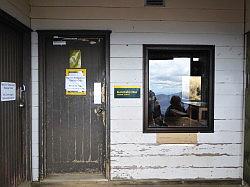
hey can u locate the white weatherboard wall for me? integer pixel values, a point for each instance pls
(134, 154)
(19, 9)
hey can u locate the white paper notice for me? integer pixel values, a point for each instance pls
(97, 93)
(8, 91)
(75, 83)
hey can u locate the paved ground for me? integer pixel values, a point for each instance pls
(115, 184)
(95, 180)
(131, 185)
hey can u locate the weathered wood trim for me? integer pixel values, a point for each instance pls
(246, 164)
(173, 182)
(108, 142)
(137, 13)
(172, 150)
(247, 15)
(27, 115)
(122, 26)
(42, 111)
(178, 4)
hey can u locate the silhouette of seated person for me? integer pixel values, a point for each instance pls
(176, 108)
(154, 110)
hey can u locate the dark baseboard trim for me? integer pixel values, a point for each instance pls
(181, 181)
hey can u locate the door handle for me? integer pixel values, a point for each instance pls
(99, 110)
(247, 79)
(22, 91)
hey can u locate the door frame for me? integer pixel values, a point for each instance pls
(246, 176)
(42, 36)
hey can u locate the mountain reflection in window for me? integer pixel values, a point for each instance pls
(178, 91)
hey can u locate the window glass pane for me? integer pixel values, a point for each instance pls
(178, 89)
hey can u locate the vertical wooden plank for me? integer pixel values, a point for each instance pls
(79, 127)
(50, 116)
(64, 126)
(56, 114)
(1, 119)
(87, 113)
(49, 104)
(26, 116)
(8, 128)
(15, 113)
(12, 114)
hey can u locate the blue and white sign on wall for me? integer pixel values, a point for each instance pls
(8, 91)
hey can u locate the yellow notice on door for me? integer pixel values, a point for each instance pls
(75, 82)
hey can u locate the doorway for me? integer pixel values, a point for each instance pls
(74, 125)
(15, 116)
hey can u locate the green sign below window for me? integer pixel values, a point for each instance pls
(127, 91)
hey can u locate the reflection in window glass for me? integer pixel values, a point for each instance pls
(178, 90)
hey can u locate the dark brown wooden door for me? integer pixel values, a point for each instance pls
(247, 114)
(11, 127)
(75, 132)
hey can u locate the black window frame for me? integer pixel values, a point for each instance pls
(186, 48)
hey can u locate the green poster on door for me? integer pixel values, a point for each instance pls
(75, 59)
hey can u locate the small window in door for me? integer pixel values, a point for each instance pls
(179, 88)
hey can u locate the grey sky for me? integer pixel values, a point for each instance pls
(165, 76)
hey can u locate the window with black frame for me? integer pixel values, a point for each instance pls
(179, 88)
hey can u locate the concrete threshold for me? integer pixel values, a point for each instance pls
(74, 177)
